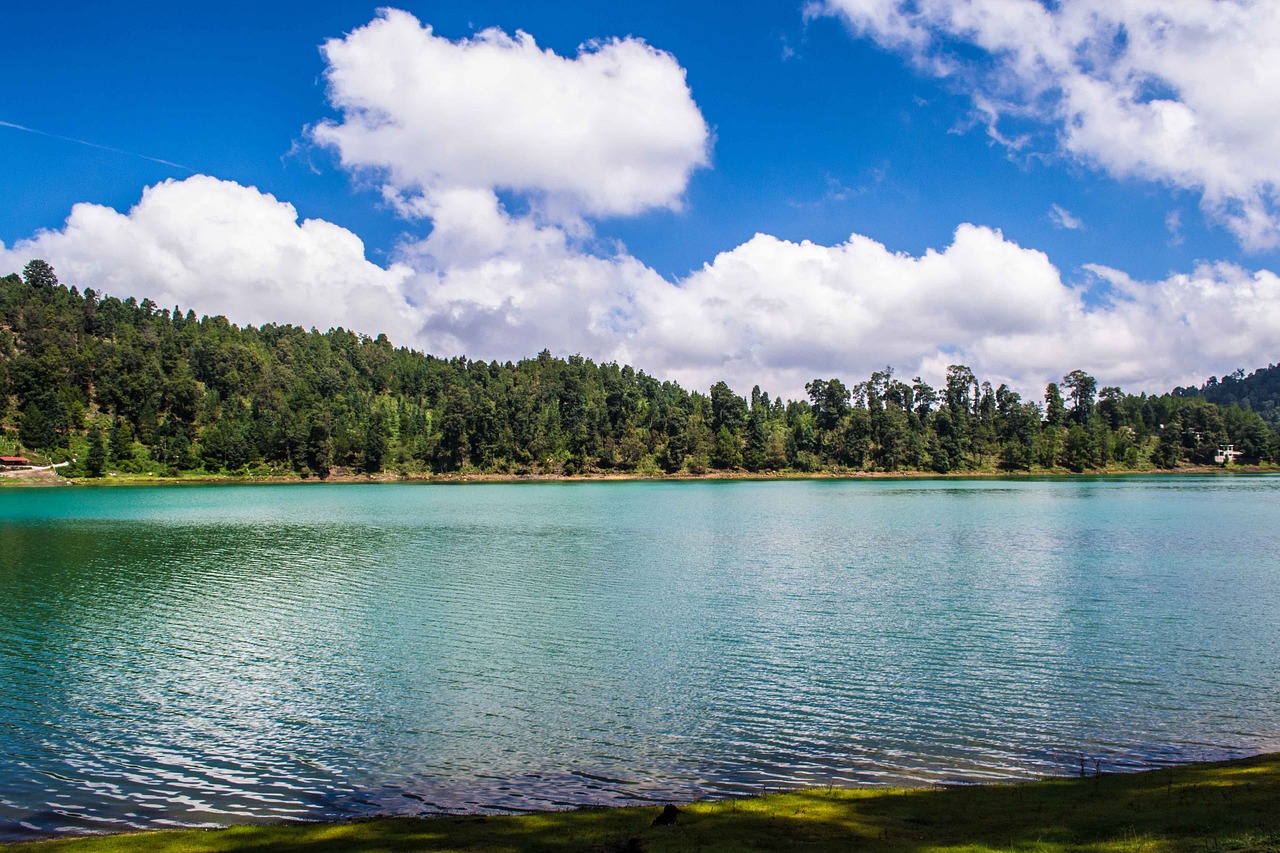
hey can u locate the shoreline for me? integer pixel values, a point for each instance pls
(1224, 805)
(45, 477)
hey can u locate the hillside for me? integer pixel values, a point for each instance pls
(1259, 391)
(123, 385)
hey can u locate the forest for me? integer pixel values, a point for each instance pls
(1259, 391)
(119, 385)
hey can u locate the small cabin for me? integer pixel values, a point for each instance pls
(11, 461)
(1227, 454)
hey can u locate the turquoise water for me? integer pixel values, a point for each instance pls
(217, 654)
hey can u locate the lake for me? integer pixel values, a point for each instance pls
(191, 656)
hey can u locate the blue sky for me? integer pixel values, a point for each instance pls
(852, 117)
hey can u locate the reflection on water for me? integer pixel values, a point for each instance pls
(198, 656)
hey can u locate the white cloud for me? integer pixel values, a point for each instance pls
(772, 312)
(787, 312)
(222, 248)
(496, 286)
(1184, 93)
(1063, 218)
(448, 126)
(782, 313)
(613, 131)
(779, 313)
(1155, 336)
(1173, 224)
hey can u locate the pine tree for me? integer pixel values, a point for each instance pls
(39, 274)
(727, 453)
(96, 459)
(35, 429)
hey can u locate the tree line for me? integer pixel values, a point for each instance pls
(1259, 391)
(129, 386)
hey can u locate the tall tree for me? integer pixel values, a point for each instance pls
(727, 453)
(1083, 390)
(756, 451)
(96, 457)
(727, 409)
(39, 274)
(1055, 408)
(375, 442)
(38, 428)
(201, 391)
(830, 401)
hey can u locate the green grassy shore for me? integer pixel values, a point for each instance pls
(1228, 806)
(53, 478)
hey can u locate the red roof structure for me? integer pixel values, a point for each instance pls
(14, 460)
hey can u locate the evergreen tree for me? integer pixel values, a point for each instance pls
(755, 453)
(375, 443)
(39, 274)
(119, 441)
(1166, 453)
(35, 429)
(1055, 409)
(1084, 393)
(727, 454)
(95, 459)
(184, 391)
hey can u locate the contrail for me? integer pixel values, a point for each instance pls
(95, 145)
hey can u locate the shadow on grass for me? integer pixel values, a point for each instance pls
(1232, 806)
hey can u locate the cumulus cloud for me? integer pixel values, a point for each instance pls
(450, 127)
(612, 131)
(496, 286)
(1182, 93)
(222, 248)
(1153, 336)
(773, 312)
(787, 312)
(782, 313)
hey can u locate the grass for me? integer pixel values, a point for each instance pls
(1230, 806)
(164, 477)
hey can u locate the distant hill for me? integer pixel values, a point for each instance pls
(1259, 391)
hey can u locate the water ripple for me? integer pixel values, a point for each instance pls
(196, 657)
